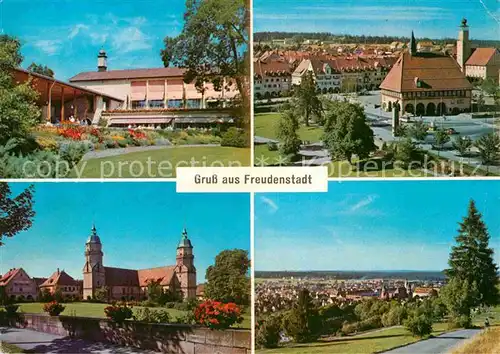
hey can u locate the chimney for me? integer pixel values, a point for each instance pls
(58, 271)
(102, 61)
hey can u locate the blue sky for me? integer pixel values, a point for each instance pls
(66, 35)
(370, 225)
(140, 225)
(428, 18)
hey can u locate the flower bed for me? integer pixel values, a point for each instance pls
(118, 313)
(217, 315)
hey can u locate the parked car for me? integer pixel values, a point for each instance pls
(451, 131)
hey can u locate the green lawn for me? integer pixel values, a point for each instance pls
(10, 348)
(161, 163)
(88, 309)
(264, 126)
(361, 344)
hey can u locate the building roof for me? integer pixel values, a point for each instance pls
(262, 68)
(94, 238)
(425, 72)
(185, 242)
(141, 277)
(481, 56)
(128, 74)
(7, 277)
(21, 74)
(59, 278)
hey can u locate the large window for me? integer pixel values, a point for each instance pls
(195, 103)
(156, 104)
(174, 103)
(138, 104)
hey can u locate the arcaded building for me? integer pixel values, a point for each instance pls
(132, 284)
(426, 84)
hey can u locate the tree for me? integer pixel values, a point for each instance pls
(41, 69)
(268, 332)
(419, 325)
(489, 86)
(307, 100)
(405, 151)
(347, 133)
(441, 137)
(213, 44)
(459, 296)
(302, 322)
(18, 109)
(101, 294)
(16, 213)
(418, 130)
(154, 290)
(471, 260)
(489, 149)
(227, 279)
(462, 145)
(286, 132)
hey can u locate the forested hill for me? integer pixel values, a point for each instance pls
(298, 37)
(395, 274)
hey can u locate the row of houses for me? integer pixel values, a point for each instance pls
(276, 77)
(19, 286)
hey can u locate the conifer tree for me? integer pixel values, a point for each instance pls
(302, 323)
(308, 102)
(471, 259)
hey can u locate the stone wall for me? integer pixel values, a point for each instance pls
(166, 338)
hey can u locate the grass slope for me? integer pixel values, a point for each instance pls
(375, 341)
(161, 163)
(487, 342)
(10, 348)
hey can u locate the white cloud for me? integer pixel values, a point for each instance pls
(76, 29)
(363, 203)
(48, 46)
(270, 203)
(130, 39)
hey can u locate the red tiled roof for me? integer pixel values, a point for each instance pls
(7, 277)
(59, 278)
(481, 56)
(141, 277)
(39, 281)
(271, 67)
(128, 74)
(435, 72)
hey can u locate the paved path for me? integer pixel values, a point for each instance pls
(120, 151)
(40, 342)
(438, 345)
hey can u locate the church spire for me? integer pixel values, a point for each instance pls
(413, 44)
(185, 242)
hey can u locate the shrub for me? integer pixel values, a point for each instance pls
(53, 308)
(11, 310)
(118, 313)
(235, 137)
(419, 325)
(152, 316)
(217, 315)
(272, 146)
(73, 152)
(462, 321)
(110, 143)
(162, 142)
(268, 332)
(181, 306)
(47, 143)
(170, 305)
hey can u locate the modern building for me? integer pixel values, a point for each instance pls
(426, 84)
(132, 284)
(18, 285)
(63, 283)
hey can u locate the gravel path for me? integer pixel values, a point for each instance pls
(121, 151)
(40, 342)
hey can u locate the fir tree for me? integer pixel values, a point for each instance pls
(308, 102)
(302, 323)
(471, 259)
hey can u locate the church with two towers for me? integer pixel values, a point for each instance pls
(132, 284)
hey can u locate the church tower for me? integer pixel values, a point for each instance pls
(102, 61)
(185, 270)
(463, 45)
(413, 45)
(93, 271)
